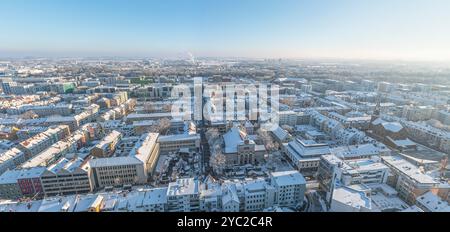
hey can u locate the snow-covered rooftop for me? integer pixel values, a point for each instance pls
(352, 197)
(183, 187)
(408, 169)
(232, 139)
(288, 178)
(433, 203)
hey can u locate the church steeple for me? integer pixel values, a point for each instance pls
(377, 111)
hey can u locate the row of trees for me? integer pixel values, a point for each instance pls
(217, 159)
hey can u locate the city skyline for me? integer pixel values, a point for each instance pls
(386, 30)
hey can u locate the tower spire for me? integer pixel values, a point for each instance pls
(377, 110)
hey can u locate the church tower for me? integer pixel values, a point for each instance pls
(377, 111)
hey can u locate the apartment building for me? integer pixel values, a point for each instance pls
(42, 141)
(258, 195)
(9, 188)
(11, 159)
(358, 122)
(183, 196)
(290, 188)
(29, 181)
(65, 177)
(57, 150)
(409, 180)
(147, 150)
(135, 168)
(335, 171)
(107, 146)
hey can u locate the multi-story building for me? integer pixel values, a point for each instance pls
(258, 195)
(408, 180)
(152, 200)
(56, 151)
(42, 110)
(290, 188)
(142, 117)
(9, 188)
(287, 118)
(444, 116)
(136, 168)
(29, 131)
(430, 202)
(350, 199)
(65, 177)
(281, 135)
(305, 155)
(417, 113)
(10, 159)
(147, 150)
(107, 146)
(116, 171)
(183, 196)
(29, 181)
(426, 134)
(361, 151)
(360, 122)
(42, 141)
(336, 172)
(173, 143)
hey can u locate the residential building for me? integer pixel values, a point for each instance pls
(107, 146)
(290, 188)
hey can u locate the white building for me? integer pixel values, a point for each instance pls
(42, 141)
(66, 177)
(10, 159)
(290, 187)
(183, 196)
(305, 154)
(258, 195)
(348, 199)
(116, 171)
(409, 180)
(430, 202)
(336, 172)
(173, 143)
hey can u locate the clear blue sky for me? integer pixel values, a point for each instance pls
(384, 29)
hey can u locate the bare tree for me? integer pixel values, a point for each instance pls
(289, 101)
(149, 107)
(438, 124)
(269, 143)
(162, 126)
(288, 128)
(213, 136)
(167, 108)
(218, 160)
(29, 115)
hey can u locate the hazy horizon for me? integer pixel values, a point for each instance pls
(417, 30)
